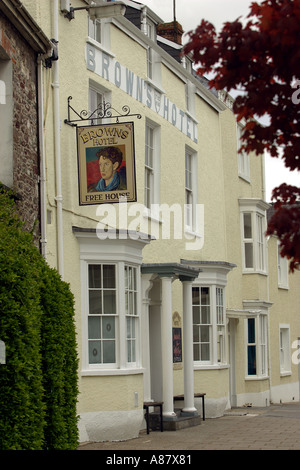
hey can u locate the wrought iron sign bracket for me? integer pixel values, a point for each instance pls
(103, 111)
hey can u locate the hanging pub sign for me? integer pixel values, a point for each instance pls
(106, 162)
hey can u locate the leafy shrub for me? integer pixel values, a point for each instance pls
(38, 383)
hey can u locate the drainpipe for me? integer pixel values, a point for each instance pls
(43, 239)
(57, 150)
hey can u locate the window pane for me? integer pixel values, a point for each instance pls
(247, 225)
(204, 295)
(204, 334)
(251, 360)
(109, 278)
(108, 352)
(196, 315)
(249, 255)
(94, 328)
(205, 352)
(129, 347)
(196, 334)
(94, 352)
(108, 327)
(133, 355)
(195, 296)
(95, 302)
(128, 322)
(196, 352)
(94, 275)
(205, 315)
(251, 330)
(109, 301)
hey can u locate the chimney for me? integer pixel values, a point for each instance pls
(172, 31)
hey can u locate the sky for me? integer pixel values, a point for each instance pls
(189, 14)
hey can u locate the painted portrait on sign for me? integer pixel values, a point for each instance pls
(106, 163)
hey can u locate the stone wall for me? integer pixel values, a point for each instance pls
(24, 150)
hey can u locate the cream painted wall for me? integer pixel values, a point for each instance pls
(98, 393)
(219, 188)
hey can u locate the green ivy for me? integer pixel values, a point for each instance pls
(38, 383)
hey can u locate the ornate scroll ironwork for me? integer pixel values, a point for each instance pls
(103, 111)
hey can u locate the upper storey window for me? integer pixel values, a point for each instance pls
(99, 31)
(243, 157)
(253, 227)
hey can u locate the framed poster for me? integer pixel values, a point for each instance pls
(177, 345)
(106, 163)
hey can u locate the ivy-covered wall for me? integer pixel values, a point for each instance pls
(38, 383)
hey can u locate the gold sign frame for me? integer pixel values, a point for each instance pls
(106, 163)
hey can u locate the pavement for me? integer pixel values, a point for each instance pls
(276, 427)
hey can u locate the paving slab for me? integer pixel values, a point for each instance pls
(276, 427)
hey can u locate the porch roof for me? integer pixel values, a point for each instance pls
(184, 273)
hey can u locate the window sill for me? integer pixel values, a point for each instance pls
(281, 286)
(192, 233)
(211, 366)
(148, 214)
(262, 273)
(155, 85)
(245, 178)
(285, 373)
(102, 372)
(256, 377)
(191, 116)
(100, 46)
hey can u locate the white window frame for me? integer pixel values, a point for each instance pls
(282, 269)
(101, 316)
(99, 33)
(152, 168)
(150, 29)
(97, 95)
(153, 67)
(200, 325)
(191, 193)
(256, 240)
(216, 326)
(221, 325)
(132, 314)
(284, 349)
(243, 157)
(190, 90)
(121, 339)
(260, 321)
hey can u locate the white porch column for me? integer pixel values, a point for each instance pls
(189, 406)
(167, 347)
(146, 287)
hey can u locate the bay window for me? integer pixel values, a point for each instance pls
(253, 227)
(102, 314)
(110, 303)
(202, 325)
(208, 324)
(113, 313)
(131, 312)
(209, 313)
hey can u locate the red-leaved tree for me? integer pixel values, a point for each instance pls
(262, 59)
